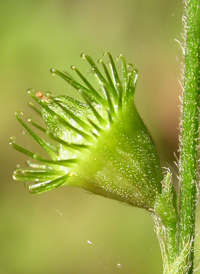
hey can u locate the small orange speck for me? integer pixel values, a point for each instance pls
(39, 94)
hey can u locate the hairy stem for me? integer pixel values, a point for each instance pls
(189, 135)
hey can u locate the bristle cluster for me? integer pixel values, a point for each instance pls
(72, 126)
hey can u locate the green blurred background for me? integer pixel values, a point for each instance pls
(68, 230)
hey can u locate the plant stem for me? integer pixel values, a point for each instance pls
(189, 135)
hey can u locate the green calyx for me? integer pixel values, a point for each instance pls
(101, 145)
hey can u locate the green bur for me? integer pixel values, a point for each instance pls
(101, 145)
